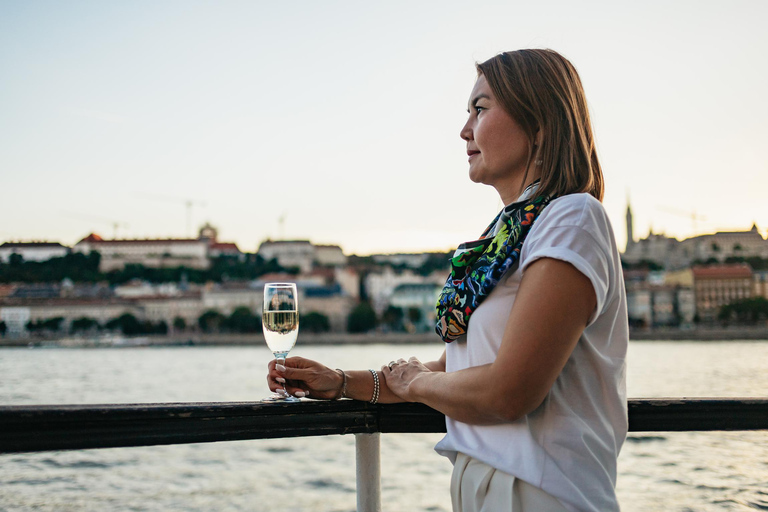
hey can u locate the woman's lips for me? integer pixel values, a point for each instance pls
(472, 154)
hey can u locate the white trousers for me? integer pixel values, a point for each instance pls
(477, 487)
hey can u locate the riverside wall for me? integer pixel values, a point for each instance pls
(198, 339)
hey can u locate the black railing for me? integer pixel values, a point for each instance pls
(29, 428)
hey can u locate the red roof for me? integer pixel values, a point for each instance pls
(93, 238)
(735, 271)
(225, 247)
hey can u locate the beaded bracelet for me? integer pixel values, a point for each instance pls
(375, 398)
(343, 389)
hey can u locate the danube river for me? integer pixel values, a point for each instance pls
(685, 471)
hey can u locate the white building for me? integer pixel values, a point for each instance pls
(137, 289)
(381, 286)
(156, 253)
(289, 253)
(423, 297)
(187, 306)
(21, 311)
(15, 319)
(226, 299)
(330, 255)
(411, 260)
(32, 251)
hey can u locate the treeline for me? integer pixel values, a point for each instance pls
(242, 320)
(747, 311)
(82, 268)
(363, 318)
(434, 261)
(756, 262)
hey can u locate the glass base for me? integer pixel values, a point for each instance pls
(281, 397)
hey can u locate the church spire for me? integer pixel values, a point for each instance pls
(630, 234)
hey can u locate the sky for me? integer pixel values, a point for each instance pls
(338, 121)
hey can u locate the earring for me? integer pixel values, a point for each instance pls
(539, 162)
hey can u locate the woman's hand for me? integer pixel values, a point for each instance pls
(304, 377)
(400, 376)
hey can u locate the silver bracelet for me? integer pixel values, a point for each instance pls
(343, 389)
(375, 398)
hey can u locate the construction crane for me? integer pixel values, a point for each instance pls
(682, 213)
(188, 204)
(103, 220)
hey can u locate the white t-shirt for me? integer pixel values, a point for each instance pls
(568, 446)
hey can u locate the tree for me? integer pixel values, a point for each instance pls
(127, 324)
(83, 324)
(211, 321)
(748, 311)
(362, 318)
(243, 320)
(393, 317)
(160, 327)
(315, 322)
(49, 324)
(53, 324)
(179, 324)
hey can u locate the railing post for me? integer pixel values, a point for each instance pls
(368, 459)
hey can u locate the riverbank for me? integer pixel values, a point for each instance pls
(198, 339)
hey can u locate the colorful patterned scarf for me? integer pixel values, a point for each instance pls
(478, 266)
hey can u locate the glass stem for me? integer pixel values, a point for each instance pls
(281, 361)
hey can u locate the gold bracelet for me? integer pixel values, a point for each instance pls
(375, 398)
(343, 388)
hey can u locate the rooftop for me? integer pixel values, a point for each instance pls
(722, 271)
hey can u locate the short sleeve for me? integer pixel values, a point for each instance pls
(575, 229)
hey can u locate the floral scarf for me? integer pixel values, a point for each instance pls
(478, 266)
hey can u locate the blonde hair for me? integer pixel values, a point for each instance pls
(542, 92)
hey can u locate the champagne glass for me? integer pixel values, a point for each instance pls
(280, 317)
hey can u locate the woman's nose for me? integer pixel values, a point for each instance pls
(466, 131)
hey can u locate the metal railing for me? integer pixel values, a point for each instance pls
(31, 428)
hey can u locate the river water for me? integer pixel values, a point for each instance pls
(684, 471)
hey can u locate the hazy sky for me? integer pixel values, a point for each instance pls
(344, 117)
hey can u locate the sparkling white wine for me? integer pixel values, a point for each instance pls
(280, 330)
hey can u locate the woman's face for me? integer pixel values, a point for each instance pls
(497, 146)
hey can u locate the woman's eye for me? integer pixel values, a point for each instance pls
(479, 109)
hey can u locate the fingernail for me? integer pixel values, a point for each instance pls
(280, 367)
(280, 380)
(300, 394)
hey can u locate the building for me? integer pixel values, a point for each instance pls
(760, 279)
(302, 254)
(725, 244)
(210, 235)
(32, 251)
(289, 253)
(155, 253)
(718, 285)
(15, 319)
(18, 312)
(420, 296)
(330, 256)
(407, 260)
(660, 298)
(188, 306)
(674, 254)
(158, 252)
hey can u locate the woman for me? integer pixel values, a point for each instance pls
(532, 381)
